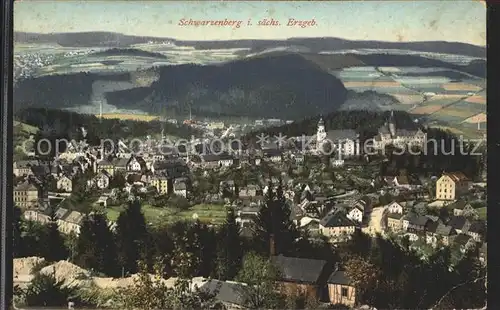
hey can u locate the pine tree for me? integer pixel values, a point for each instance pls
(229, 248)
(131, 236)
(17, 223)
(96, 245)
(274, 219)
(55, 247)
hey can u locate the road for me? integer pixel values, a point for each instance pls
(376, 220)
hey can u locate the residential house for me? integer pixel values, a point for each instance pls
(476, 230)
(298, 158)
(340, 289)
(337, 226)
(462, 208)
(395, 207)
(102, 179)
(336, 162)
(248, 191)
(437, 231)
(136, 164)
(464, 242)
(104, 200)
(70, 222)
(107, 166)
(228, 185)
(64, 184)
(273, 155)
(120, 164)
(246, 215)
(405, 182)
(355, 214)
(394, 222)
(160, 183)
(452, 185)
(415, 223)
(36, 216)
(26, 195)
(23, 167)
(180, 188)
(230, 294)
(460, 223)
(302, 276)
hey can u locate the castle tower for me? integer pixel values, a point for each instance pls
(392, 125)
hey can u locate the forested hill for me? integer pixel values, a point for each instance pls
(287, 86)
(65, 124)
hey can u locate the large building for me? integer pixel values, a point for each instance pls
(452, 185)
(389, 134)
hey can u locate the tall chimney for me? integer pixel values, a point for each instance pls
(272, 246)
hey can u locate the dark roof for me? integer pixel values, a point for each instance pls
(337, 135)
(272, 153)
(457, 222)
(440, 229)
(120, 162)
(419, 220)
(301, 270)
(459, 204)
(336, 219)
(395, 216)
(225, 291)
(462, 239)
(339, 277)
(477, 227)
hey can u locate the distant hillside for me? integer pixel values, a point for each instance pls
(128, 52)
(109, 39)
(287, 86)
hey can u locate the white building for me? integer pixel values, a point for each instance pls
(389, 134)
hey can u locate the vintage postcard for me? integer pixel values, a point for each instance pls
(273, 155)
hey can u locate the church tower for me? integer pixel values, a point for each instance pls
(392, 125)
(321, 133)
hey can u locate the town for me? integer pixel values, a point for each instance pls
(335, 200)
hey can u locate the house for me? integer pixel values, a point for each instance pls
(273, 155)
(248, 191)
(180, 188)
(120, 164)
(102, 179)
(452, 185)
(107, 166)
(36, 216)
(136, 164)
(228, 293)
(394, 222)
(460, 223)
(415, 223)
(340, 289)
(337, 226)
(104, 200)
(64, 184)
(464, 242)
(247, 214)
(26, 195)
(355, 214)
(404, 181)
(229, 185)
(462, 207)
(476, 230)
(439, 232)
(23, 167)
(298, 158)
(395, 207)
(364, 204)
(302, 275)
(70, 222)
(335, 162)
(161, 184)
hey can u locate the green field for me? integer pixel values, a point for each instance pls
(215, 214)
(482, 212)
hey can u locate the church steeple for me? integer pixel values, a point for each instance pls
(392, 124)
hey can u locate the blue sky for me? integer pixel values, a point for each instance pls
(446, 20)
